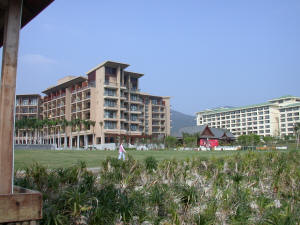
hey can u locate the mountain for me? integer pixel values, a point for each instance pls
(179, 120)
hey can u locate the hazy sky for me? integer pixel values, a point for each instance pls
(203, 54)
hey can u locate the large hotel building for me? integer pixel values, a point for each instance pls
(276, 117)
(110, 97)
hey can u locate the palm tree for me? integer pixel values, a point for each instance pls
(46, 123)
(93, 123)
(87, 124)
(78, 123)
(19, 124)
(64, 123)
(297, 131)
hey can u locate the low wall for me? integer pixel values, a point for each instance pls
(34, 147)
(110, 146)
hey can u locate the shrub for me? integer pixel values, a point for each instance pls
(150, 163)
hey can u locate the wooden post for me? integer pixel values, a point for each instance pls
(12, 25)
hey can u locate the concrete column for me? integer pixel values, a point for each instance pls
(71, 142)
(78, 141)
(65, 141)
(85, 141)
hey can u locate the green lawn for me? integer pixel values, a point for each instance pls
(66, 158)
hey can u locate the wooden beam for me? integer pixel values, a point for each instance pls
(23, 205)
(12, 26)
(3, 4)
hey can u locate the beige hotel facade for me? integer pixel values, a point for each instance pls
(276, 117)
(110, 96)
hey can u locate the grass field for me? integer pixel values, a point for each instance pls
(66, 158)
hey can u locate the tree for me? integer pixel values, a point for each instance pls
(297, 132)
(190, 140)
(64, 123)
(268, 139)
(170, 141)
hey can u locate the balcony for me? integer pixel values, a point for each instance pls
(136, 90)
(123, 87)
(81, 89)
(110, 96)
(110, 84)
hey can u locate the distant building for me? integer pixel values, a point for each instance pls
(28, 106)
(276, 117)
(110, 97)
(206, 135)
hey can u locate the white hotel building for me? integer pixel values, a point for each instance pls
(276, 117)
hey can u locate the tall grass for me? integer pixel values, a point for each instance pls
(251, 188)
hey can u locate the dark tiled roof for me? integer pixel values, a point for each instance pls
(218, 133)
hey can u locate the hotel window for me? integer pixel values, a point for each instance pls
(110, 124)
(134, 97)
(296, 114)
(267, 121)
(267, 117)
(268, 131)
(110, 92)
(290, 124)
(110, 70)
(110, 114)
(282, 120)
(134, 117)
(133, 127)
(282, 110)
(110, 103)
(134, 107)
(267, 126)
(289, 119)
(25, 101)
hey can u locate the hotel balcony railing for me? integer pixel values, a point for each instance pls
(111, 105)
(111, 84)
(58, 96)
(81, 88)
(135, 90)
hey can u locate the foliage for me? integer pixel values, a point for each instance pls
(250, 139)
(150, 163)
(170, 142)
(190, 140)
(248, 188)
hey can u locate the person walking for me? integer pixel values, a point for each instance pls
(121, 152)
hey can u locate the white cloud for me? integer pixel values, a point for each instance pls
(37, 59)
